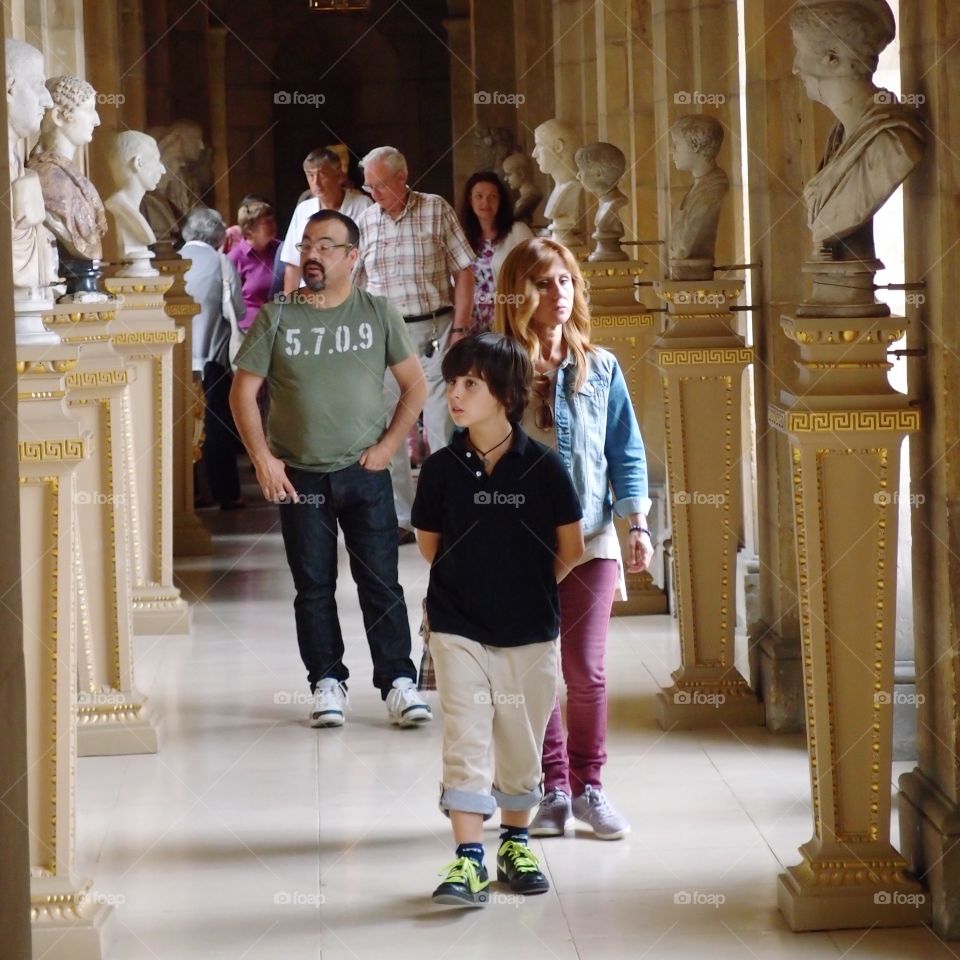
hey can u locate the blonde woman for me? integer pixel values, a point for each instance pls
(581, 407)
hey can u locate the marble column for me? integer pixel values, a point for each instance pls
(629, 330)
(69, 922)
(113, 717)
(190, 536)
(14, 765)
(145, 336)
(702, 362)
(780, 155)
(930, 794)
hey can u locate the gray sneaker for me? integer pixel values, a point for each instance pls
(552, 815)
(593, 808)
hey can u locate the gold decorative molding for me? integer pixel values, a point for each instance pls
(623, 320)
(41, 368)
(51, 451)
(117, 377)
(704, 356)
(842, 421)
(159, 337)
(41, 395)
(182, 309)
(608, 271)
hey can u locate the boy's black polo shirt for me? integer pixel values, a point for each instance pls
(493, 578)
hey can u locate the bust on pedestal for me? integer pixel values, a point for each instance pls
(519, 176)
(27, 98)
(136, 168)
(696, 141)
(180, 189)
(74, 213)
(600, 167)
(845, 425)
(554, 152)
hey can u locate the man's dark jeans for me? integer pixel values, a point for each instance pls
(362, 502)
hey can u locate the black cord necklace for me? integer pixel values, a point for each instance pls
(482, 454)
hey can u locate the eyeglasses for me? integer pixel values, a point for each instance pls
(323, 247)
(543, 415)
(370, 187)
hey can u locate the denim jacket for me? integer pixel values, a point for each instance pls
(599, 441)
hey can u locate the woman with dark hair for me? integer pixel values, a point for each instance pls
(487, 217)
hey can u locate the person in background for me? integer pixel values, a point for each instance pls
(325, 180)
(253, 256)
(487, 219)
(581, 408)
(203, 232)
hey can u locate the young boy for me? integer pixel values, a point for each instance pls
(499, 521)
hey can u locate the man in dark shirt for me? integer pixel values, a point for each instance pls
(498, 519)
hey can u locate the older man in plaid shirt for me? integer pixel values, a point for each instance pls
(411, 245)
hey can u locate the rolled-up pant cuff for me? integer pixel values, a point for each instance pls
(467, 802)
(522, 801)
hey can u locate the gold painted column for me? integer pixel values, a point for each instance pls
(702, 362)
(145, 337)
(113, 717)
(67, 920)
(845, 425)
(190, 536)
(628, 330)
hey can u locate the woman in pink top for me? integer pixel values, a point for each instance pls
(253, 256)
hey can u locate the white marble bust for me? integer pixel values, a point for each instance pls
(599, 168)
(876, 141)
(136, 168)
(696, 140)
(27, 99)
(518, 174)
(554, 150)
(180, 189)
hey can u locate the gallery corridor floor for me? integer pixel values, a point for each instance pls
(251, 836)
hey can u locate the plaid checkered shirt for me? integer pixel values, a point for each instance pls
(410, 261)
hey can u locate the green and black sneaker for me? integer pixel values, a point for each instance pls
(464, 885)
(518, 866)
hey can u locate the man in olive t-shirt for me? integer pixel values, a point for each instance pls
(323, 351)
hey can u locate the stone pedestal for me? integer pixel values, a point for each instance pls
(145, 336)
(113, 717)
(627, 329)
(845, 425)
(67, 920)
(190, 536)
(702, 361)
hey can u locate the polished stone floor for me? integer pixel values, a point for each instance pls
(251, 836)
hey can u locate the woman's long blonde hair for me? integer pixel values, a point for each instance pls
(517, 299)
